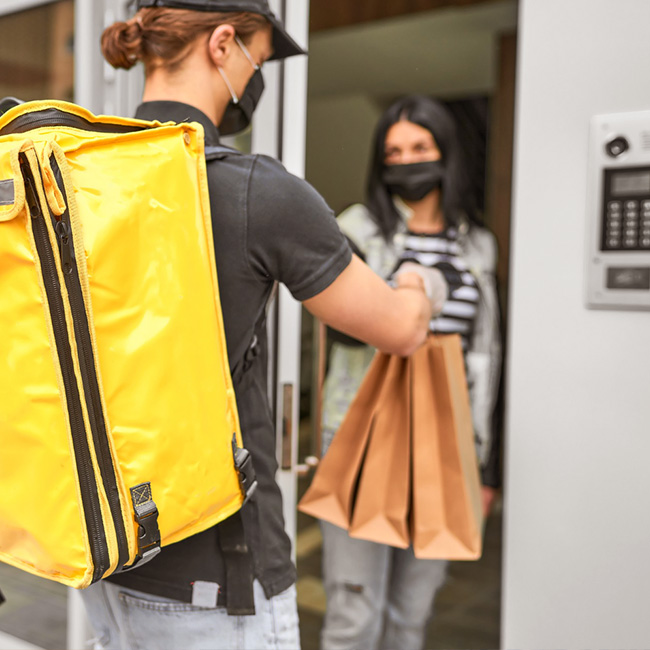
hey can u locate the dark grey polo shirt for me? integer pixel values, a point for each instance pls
(268, 225)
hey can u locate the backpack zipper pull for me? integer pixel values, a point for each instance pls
(31, 197)
(65, 246)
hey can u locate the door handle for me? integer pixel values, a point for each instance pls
(310, 463)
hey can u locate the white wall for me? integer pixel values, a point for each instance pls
(577, 532)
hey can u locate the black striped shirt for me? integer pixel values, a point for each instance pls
(441, 250)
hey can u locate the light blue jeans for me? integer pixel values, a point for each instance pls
(377, 596)
(124, 619)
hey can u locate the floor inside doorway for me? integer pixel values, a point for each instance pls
(467, 609)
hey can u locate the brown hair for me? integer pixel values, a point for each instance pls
(161, 37)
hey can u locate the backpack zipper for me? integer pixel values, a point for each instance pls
(90, 382)
(87, 483)
(56, 117)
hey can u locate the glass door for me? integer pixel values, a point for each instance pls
(36, 50)
(36, 62)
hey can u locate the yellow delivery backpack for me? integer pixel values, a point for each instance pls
(118, 424)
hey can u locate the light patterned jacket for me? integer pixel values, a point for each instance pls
(348, 364)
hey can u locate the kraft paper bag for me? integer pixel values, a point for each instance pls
(446, 514)
(332, 490)
(381, 509)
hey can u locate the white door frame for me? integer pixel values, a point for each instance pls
(279, 130)
(98, 87)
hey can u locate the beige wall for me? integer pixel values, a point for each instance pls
(337, 165)
(354, 72)
(36, 60)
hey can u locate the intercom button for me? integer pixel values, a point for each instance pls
(645, 243)
(631, 205)
(646, 205)
(615, 206)
(613, 242)
(630, 242)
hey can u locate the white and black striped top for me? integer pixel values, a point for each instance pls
(442, 251)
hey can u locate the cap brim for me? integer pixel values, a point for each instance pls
(283, 45)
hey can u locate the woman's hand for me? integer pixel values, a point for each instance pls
(431, 280)
(488, 495)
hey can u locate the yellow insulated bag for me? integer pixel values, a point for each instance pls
(118, 424)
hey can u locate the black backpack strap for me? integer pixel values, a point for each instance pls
(238, 563)
(219, 151)
(240, 600)
(7, 103)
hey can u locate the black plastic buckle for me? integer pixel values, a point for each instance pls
(145, 513)
(245, 469)
(148, 531)
(252, 352)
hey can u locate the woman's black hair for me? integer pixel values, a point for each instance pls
(433, 116)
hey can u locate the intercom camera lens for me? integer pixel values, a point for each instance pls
(617, 146)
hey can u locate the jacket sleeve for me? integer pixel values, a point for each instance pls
(484, 358)
(357, 225)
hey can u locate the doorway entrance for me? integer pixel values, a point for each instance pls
(361, 59)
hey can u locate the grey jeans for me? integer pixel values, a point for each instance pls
(377, 596)
(124, 619)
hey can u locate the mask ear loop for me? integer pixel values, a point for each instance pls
(235, 99)
(247, 54)
(244, 49)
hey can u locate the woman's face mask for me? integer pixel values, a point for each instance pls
(413, 181)
(239, 111)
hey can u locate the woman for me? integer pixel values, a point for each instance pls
(203, 62)
(416, 213)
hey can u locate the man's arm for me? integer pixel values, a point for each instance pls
(361, 304)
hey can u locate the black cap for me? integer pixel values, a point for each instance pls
(283, 45)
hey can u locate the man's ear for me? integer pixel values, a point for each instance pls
(220, 44)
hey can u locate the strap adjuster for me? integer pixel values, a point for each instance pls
(145, 513)
(245, 469)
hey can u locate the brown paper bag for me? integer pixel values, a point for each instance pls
(381, 509)
(331, 493)
(446, 514)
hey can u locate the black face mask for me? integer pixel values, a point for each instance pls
(414, 181)
(238, 116)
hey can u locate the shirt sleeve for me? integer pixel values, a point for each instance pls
(292, 234)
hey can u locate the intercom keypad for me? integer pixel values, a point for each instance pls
(626, 218)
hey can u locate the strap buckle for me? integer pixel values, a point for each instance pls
(146, 516)
(245, 469)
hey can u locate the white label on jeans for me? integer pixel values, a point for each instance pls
(204, 594)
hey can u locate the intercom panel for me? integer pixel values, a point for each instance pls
(618, 212)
